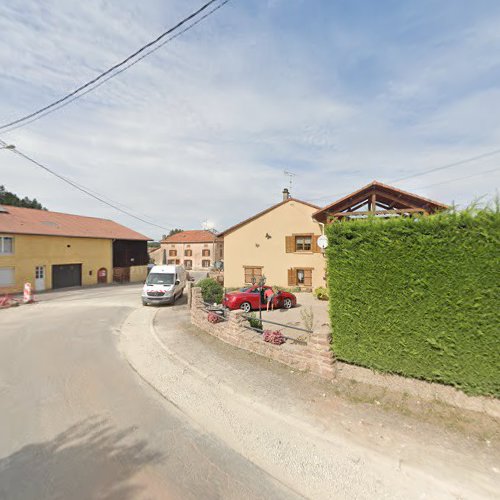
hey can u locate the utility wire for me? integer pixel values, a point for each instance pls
(496, 169)
(424, 172)
(81, 188)
(102, 82)
(114, 67)
(449, 165)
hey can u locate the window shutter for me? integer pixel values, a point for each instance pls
(315, 247)
(290, 244)
(292, 277)
(307, 277)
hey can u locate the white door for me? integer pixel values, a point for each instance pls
(39, 278)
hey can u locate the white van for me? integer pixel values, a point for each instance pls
(164, 285)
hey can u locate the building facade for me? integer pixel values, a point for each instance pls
(56, 250)
(196, 250)
(280, 243)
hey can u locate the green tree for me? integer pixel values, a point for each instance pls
(8, 198)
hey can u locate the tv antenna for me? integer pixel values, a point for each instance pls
(291, 175)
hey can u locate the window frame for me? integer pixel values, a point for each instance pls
(2, 245)
(252, 274)
(303, 237)
(204, 261)
(13, 282)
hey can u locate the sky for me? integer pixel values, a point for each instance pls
(338, 92)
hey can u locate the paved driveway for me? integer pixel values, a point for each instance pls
(78, 423)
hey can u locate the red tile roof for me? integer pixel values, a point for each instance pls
(191, 236)
(16, 220)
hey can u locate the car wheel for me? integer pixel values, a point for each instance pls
(287, 303)
(144, 303)
(246, 307)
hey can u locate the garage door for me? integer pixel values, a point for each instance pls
(64, 275)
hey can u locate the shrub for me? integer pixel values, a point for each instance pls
(254, 321)
(419, 297)
(273, 337)
(211, 291)
(321, 293)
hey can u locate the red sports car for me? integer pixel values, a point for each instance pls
(248, 298)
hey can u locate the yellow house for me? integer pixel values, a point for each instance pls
(280, 243)
(57, 250)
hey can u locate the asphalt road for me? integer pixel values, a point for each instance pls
(78, 423)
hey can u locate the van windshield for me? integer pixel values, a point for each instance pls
(160, 279)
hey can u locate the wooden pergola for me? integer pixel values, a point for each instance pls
(377, 199)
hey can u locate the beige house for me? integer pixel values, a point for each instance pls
(280, 243)
(196, 250)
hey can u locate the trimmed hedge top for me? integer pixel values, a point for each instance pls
(419, 296)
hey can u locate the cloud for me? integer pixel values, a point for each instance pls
(204, 128)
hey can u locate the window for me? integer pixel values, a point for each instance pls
(205, 263)
(170, 262)
(178, 261)
(205, 253)
(7, 276)
(172, 253)
(252, 272)
(188, 253)
(188, 264)
(300, 276)
(303, 243)
(40, 272)
(6, 245)
(160, 279)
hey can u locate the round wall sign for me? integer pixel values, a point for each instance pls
(322, 242)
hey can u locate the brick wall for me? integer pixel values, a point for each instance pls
(315, 357)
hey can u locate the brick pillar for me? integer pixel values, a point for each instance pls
(236, 319)
(189, 289)
(322, 360)
(196, 305)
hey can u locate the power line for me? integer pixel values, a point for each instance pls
(81, 188)
(496, 169)
(113, 75)
(424, 172)
(114, 67)
(449, 165)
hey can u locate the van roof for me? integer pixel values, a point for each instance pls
(165, 267)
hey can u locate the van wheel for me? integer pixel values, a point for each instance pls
(246, 307)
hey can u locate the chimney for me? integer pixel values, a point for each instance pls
(286, 194)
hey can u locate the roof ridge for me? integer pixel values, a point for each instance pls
(265, 211)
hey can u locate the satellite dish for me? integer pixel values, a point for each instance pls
(219, 265)
(322, 242)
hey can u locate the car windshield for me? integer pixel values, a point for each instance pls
(160, 279)
(245, 289)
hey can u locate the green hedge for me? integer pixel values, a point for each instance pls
(211, 290)
(419, 297)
